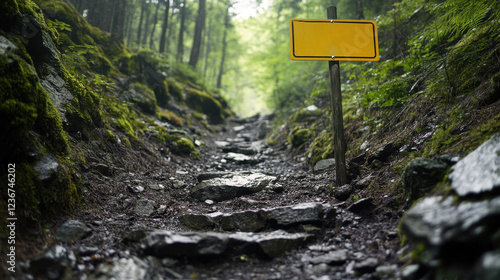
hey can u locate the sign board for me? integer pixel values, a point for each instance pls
(334, 40)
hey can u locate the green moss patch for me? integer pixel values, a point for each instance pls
(204, 103)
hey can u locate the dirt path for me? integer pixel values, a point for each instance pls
(175, 220)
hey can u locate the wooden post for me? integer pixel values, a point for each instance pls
(339, 144)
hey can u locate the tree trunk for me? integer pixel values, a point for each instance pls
(146, 23)
(224, 46)
(118, 20)
(200, 23)
(155, 21)
(207, 43)
(180, 42)
(164, 26)
(359, 9)
(141, 18)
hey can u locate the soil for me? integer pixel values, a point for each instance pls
(366, 231)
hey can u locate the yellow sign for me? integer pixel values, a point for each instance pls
(336, 39)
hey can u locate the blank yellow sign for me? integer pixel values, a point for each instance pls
(341, 40)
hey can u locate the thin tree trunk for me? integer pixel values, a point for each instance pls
(359, 9)
(224, 46)
(180, 42)
(146, 24)
(200, 23)
(164, 26)
(155, 21)
(118, 20)
(141, 18)
(171, 28)
(207, 42)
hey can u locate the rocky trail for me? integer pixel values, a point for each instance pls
(246, 212)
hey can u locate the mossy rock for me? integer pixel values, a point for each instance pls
(299, 136)
(175, 90)
(204, 103)
(144, 98)
(167, 116)
(184, 146)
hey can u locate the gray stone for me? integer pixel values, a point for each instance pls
(241, 158)
(104, 169)
(157, 187)
(136, 189)
(54, 263)
(145, 207)
(202, 244)
(367, 266)
(6, 46)
(230, 186)
(386, 271)
(256, 220)
(324, 165)
(363, 205)
(343, 192)
(56, 88)
(488, 267)
(123, 269)
(437, 221)
(421, 176)
(479, 171)
(46, 167)
(332, 258)
(72, 230)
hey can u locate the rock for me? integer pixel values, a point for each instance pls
(230, 186)
(241, 158)
(410, 272)
(441, 224)
(256, 220)
(202, 244)
(212, 175)
(324, 165)
(57, 90)
(332, 258)
(87, 251)
(145, 207)
(364, 182)
(363, 205)
(421, 176)
(382, 153)
(479, 171)
(46, 167)
(136, 189)
(157, 187)
(488, 267)
(6, 46)
(343, 192)
(386, 271)
(72, 230)
(56, 263)
(162, 209)
(177, 184)
(123, 269)
(367, 266)
(104, 169)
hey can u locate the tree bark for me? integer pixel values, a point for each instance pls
(146, 23)
(164, 26)
(224, 47)
(118, 20)
(200, 23)
(141, 18)
(359, 9)
(155, 21)
(180, 42)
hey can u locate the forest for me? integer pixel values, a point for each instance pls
(176, 139)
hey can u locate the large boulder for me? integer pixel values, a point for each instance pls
(422, 175)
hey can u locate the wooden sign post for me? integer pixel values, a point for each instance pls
(334, 40)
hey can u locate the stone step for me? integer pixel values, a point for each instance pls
(161, 243)
(230, 185)
(262, 219)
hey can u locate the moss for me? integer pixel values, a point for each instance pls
(204, 103)
(175, 90)
(144, 98)
(299, 136)
(305, 116)
(186, 147)
(110, 136)
(167, 116)
(321, 148)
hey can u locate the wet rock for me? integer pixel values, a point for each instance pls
(421, 176)
(241, 158)
(386, 271)
(123, 269)
(57, 90)
(488, 267)
(198, 244)
(46, 168)
(324, 165)
(212, 175)
(363, 205)
(382, 153)
(104, 169)
(72, 230)
(243, 150)
(87, 251)
(363, 183)
(136, 189)
(54, 264)
(367, 266)
(157, 187)
(338, 257)
(230, 186)
(177, 184)
(479, 171)
(145, 207)
(441, 224)
(6, 46)
(255, 220)
(343, 192)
